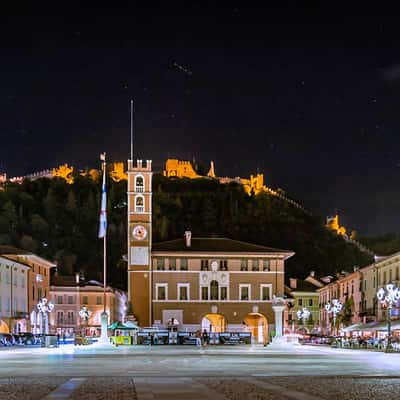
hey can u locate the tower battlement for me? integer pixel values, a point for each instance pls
(140, 165)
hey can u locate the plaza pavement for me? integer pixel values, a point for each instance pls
(220, 373)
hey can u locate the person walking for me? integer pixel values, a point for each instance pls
(205, 338)
(198, 338)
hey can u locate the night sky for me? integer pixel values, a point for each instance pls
(309, 98)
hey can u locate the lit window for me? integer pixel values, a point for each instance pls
(160, 264)
(265, 265)
(99, 300)
(172, 264)
(184, 264)
(244, 265)
(256, 266)
(139, 184)
(139, 204)
(85, 300)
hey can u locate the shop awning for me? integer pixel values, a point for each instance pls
(123, 325)
(373, 326)
(370, 326)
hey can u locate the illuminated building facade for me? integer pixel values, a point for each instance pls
(70, 293)
(215, 284)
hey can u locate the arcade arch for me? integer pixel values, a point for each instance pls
(257, 324)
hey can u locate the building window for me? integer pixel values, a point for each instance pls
(60, 317)
(244, 292)
(59, 299)
(70, 299)
(390, 275)
(224, 293)
(244, 265)
(160, 264)
(183, 291)
(397, 273)
(99, 300)
(204, 293)
(223, 265)
(85, 300)
(139, 184)
(214, 290)
(266, 265)
(70, 317)
(39, 291)
(256, 266)
(172, 264)
(266, 292)
(300, 302)
(204, 265)
(310, 302)
(184, 264)
(15, 280)
(139, 203)
(161, 291)
(384, 278)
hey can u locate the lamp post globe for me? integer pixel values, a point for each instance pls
(334, 308)
(85, 314)
(303, 315)
(388, 296)
(44, 307)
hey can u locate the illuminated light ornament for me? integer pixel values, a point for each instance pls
(335, 308)
(45, 307)
(303, 314)
(388, 297)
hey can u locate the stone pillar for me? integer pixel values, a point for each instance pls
(278, 310)
(104, 324)
(278, 305)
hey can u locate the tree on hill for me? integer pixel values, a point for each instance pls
(60, 221)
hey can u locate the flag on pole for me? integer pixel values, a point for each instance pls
(103, 210)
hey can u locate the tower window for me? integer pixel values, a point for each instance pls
(139, 184)
(139, 204)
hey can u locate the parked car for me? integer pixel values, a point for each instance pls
(28, 338)
(6, 339)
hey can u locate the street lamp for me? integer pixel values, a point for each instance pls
(388, 297)
(303, 314)
(335, 307)
(45, 307)
(85, 314)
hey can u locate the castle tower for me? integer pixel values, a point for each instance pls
(139, 240)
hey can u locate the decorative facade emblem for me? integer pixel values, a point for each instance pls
(214, 309)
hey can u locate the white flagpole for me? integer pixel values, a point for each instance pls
(103, 234)
(132, 115)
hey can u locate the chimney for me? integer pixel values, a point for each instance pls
(312, 274)
(293, 283)
(188, 238)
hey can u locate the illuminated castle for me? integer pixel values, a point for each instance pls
(332, 223)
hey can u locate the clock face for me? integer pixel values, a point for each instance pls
(139, 232)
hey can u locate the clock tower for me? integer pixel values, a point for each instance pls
(139, 240)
